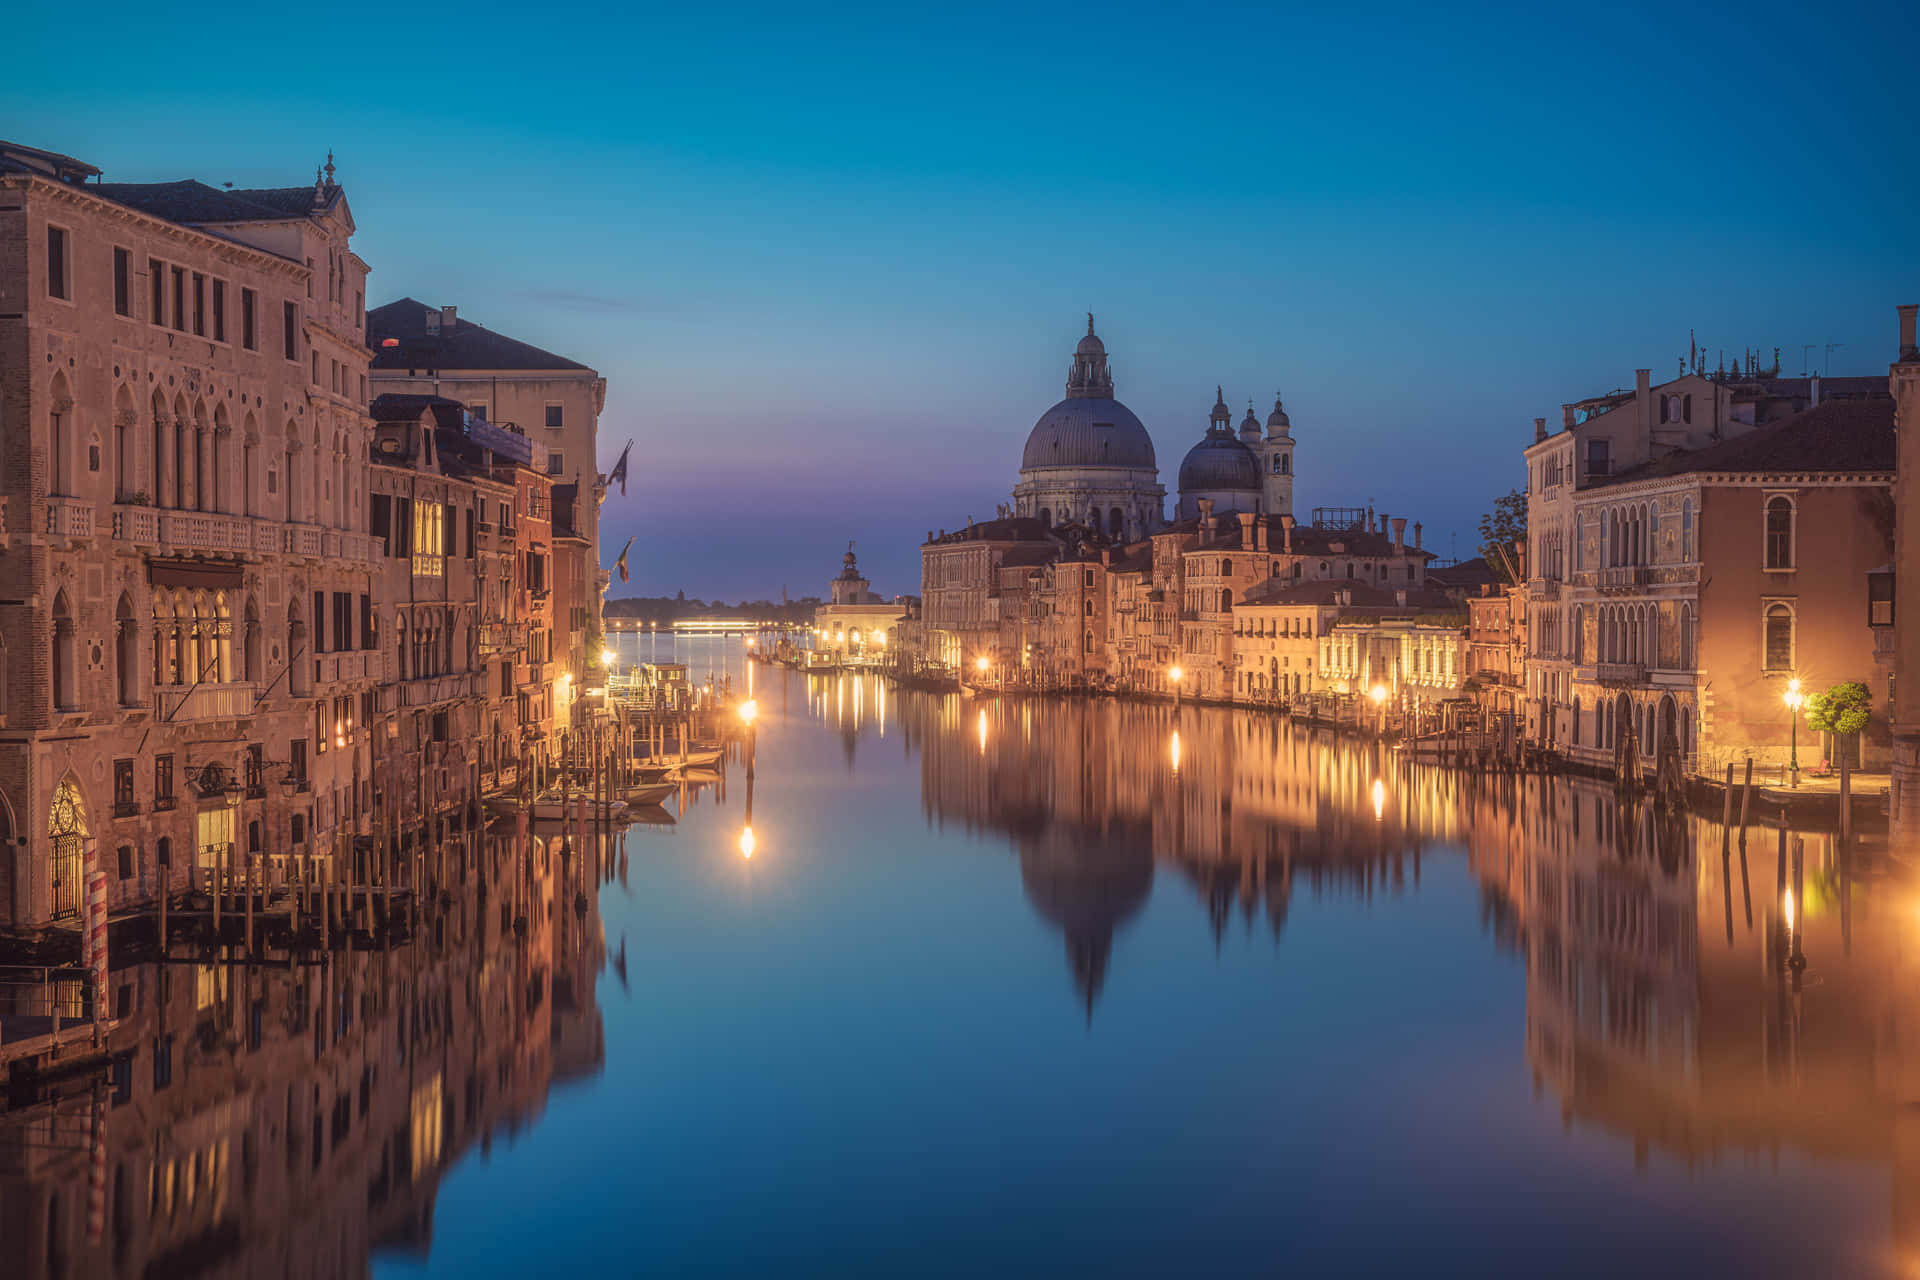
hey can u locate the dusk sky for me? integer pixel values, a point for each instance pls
(833, 263)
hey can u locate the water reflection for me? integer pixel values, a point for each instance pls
(1685, 992)
(296, 1116)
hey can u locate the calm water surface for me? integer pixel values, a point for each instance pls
(1048, 988)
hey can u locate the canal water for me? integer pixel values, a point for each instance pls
(1057, 988)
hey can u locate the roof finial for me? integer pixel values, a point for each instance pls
(329, 166)
(1089, 324)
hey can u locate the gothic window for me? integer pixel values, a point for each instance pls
(65, 655)
(1780, 532)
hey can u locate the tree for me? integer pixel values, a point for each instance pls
(1500, 528)
(1843, 710)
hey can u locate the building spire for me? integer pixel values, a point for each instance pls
(1089, 378)
(329, 166)
(1089, 324)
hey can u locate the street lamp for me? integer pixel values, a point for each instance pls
(1174, 673)
(1794, 700)
(980, 665)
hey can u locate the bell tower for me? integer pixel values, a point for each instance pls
(1276, 461)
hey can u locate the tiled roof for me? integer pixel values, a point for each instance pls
(1037, 553)
(1839, 435)
(1002, 529)
(193, 202)
(465, 345)
(1468, 573)
(394, 407)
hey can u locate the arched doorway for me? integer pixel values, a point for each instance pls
(67, 836)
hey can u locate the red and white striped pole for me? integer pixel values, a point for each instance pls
(97, 1168)
(96, 942)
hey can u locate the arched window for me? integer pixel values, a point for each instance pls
(66, 694)
(1779, 532)
(60, 419)
(1779, 638)
(1087, 608)
(126, 648)
(1116, 523)
(1686, 637)
(1226, 598)
(1046, 517)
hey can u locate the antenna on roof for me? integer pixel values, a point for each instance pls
(1828, 370)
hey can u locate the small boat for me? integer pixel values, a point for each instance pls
(650, 793)
(557, 808)
(697, 777)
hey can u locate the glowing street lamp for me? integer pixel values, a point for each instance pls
(1174, 673)
(747, 711)
(1794, 700)
(1379, 695)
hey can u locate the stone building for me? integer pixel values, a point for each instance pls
(187, 644)
(1605, 435)
(960, 585)
(1703, 582)
(856, 624)
(1244, 472)
(554, 401)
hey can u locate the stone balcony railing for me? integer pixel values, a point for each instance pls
(366, 664)
(1619, 673)
(1543, 589)
(425, 692)
(69, 518)
(183, 704)
(228, 534)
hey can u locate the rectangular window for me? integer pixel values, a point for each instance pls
(556, 463)
(320, 622)
(199, 305)
(123, 282)
(163, 782)
(125, 859)
(1599, 458)
(478, 410)
(1778, 655)
(58, 286)
(162, 1061)
(219, 310)
(156, 291)
(290, 320)
(179, 298)
(249, 304)
(369, 638)
(297, 763)
(553, 416)
(123, 803)
(320, 726)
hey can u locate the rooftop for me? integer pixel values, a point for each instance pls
(1838, 436)
(403, 337)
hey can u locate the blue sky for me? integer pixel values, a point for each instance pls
(833, 264)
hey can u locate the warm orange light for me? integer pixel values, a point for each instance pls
(981, 726)
(748, 710)
(1788, 901)
(1379, 799)
(1378, 693)
(747, 842)
(1173, 750)
(1174, 674)
(980, 664)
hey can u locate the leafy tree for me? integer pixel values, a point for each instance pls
(1500, 528)
(1843, 709)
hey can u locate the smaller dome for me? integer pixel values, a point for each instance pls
(1219, 461)
(1277, 422)
(1249, 424)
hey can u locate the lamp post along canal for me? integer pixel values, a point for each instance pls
(1794, 700)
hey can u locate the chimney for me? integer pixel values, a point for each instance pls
(1908, 350)
(1539, 430)
(1206, 513)
(1249, 522)
(1286, 534)
(1813, 393)
(1416, 527)
(1566, 417)
(447, 315)
(1399, 535)
(1383, 524)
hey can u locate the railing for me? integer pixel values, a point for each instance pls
(69, 518)
(357, 664)
(1620, 673)
(140, 525)
(38, 1001)
(183, 704)
(1543, 589)
(432, 689)
(303, 540)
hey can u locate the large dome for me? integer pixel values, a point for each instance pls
(1219, 461)
(1083, 431)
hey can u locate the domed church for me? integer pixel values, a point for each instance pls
(1239, 473)
(1089, 460)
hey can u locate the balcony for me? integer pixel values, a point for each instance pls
(69, 518)
(1543, 589)
(206, 531)
(1620, 673)
(185, 704)
(432, 689)
(1624, 577)
(364, 664)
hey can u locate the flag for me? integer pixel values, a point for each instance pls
(621, 563)
(619, 471)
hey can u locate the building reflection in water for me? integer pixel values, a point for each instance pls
(1699, 1005)
(292, 1119)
